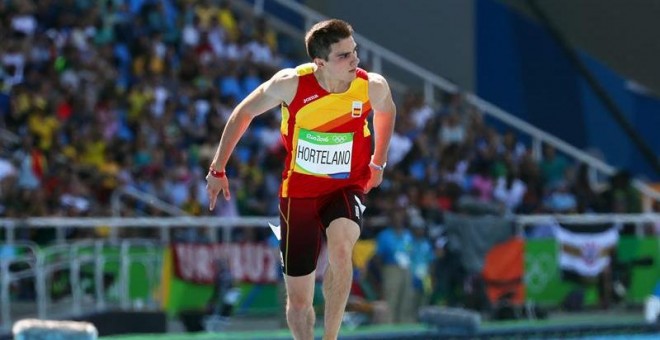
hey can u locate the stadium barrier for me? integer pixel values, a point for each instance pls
(211, 224)
(86, 261)
(73, 279)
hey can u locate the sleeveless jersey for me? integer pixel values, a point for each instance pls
(326, 136)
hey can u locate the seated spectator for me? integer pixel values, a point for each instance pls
(510, 191)
(553, 166)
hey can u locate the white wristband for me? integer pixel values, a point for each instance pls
(376, 166)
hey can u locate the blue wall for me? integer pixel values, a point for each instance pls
(520, 68)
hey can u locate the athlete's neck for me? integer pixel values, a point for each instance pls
(329, 84)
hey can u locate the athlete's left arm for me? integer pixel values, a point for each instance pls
(384, 116)
(380, 97)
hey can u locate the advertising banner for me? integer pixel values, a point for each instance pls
(639, 259)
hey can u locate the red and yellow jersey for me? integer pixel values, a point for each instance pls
(326, 136)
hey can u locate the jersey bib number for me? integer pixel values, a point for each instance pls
(324, 154)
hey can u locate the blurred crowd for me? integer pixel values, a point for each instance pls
(107, 94)
(111, 94)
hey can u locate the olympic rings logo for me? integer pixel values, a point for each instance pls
(339, 139)
(538, 271)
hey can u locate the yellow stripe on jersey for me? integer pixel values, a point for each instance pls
(366, 130)
(331, 107)
(284, 125)
(294, 146)
(305, 69)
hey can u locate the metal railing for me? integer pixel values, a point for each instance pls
(212, 223)
(164, 224)
(10, 276)
(74, 260)
(638, 220)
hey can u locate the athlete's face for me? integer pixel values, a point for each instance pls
(343, 60)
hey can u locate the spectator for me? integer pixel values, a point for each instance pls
(509, 191)
(553, 167)
(622, 198)
(394, 247)
(422, 258)
(586, 196)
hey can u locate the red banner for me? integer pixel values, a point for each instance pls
(248, 262)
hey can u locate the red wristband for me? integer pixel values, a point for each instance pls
(215, 173)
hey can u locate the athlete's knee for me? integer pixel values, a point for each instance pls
(298, 302)
(297, 305)
(341, 254)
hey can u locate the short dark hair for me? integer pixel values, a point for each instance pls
(325, 33)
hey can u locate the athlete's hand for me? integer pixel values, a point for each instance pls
(214, 186)
(374, 180)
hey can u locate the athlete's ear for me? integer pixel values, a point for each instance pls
(319, 62)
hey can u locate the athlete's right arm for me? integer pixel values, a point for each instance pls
(278, 89)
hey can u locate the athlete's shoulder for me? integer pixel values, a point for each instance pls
(289, 76)
(377, 82)
(283, 84)
(285, 75)
(376, 78)
(379, 90)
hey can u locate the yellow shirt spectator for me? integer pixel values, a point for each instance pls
(205, 12)
(228, 22)
(94, 153)
(137, 100)
(44, 127)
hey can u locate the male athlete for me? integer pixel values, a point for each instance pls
(329, 165)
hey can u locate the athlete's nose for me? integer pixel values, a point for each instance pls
(356, 60)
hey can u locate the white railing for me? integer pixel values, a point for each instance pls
(211, 224)
(9, 278)
(639, 220)
(70, 259)
(164, 224)
(432, 83)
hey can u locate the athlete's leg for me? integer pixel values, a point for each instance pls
(300, 246)
(342, 233)
(299, 310)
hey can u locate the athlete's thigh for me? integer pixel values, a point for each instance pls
(345, 203)
(342, 218)
(301, 237)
